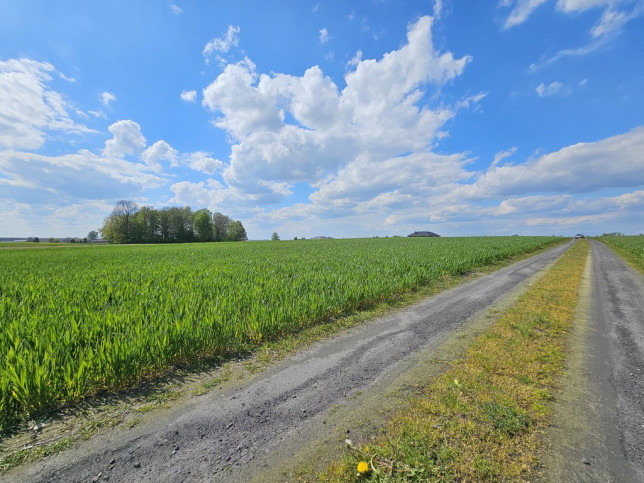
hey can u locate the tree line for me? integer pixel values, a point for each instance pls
(130, 224)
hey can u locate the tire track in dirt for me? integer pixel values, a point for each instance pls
(598, 427)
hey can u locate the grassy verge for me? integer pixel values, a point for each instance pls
(482, 420)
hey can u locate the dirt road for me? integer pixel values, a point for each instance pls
(598, 431)
(298, 409)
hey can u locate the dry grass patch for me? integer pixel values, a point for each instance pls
(483, 419)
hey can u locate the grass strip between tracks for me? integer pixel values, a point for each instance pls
(483, 419)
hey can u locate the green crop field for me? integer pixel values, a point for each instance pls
(630, 247)
(74, 321)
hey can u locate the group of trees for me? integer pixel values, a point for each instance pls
(130, 224)
(71, 239)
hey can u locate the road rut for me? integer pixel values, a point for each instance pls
(598, 428)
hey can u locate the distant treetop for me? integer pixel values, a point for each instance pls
(129, 224)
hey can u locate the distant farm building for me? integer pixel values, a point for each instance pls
(423, 233)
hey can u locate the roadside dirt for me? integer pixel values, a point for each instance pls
(597, 433)
(296, 413)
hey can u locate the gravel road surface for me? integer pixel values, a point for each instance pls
(598, 433)
(242, 431)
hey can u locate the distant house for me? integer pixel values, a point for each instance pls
(423, 233)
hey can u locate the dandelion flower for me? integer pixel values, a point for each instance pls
(363, 467)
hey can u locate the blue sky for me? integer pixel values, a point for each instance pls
(345, 119)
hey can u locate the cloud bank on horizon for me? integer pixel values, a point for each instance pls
(326, 119)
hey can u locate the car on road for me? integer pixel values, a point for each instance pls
(579, 235)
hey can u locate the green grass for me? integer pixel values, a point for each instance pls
(630, 248)
(32, 244)
(482, 419)
(78, 321)
(32, 454)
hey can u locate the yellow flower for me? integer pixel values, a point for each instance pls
(363, 467)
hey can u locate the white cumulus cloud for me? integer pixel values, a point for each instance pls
(159, 151)
(498, 157)
(189, 96)
(107, 98)
(127, 139)
(62, 179)
(208, 194)
(223, 44)
(380, 111)
(245, 108)
(533, 204)
(324, 36)
(356, 59)
(29, 109)
(203, 162)
(548, 90)
(579, 168)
